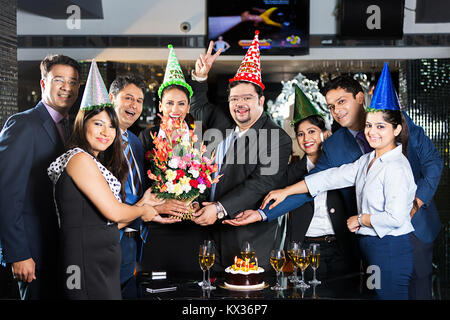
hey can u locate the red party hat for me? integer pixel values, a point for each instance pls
(250, 69)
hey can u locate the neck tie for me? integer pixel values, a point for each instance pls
(66, 128)
(136, 182)
(362, 138)
(222, 149)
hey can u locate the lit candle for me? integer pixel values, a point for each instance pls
(256, 263)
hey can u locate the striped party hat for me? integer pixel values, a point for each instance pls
(95, 94)
(250, 68)
(173, 74)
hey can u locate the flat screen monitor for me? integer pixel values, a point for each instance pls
(283, 26)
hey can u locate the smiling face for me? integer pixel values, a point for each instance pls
(100, 132)
(128, 105)
(174, 103)
(346, 109)
(60, 87)
(379, 133)
(245, 105)
(309, 138)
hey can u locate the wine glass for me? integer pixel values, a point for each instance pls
(206, 258)
(292, 247)
(277, 260)
(247, 251)
(302, 259)
(315, 258)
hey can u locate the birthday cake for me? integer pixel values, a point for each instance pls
(244, 275)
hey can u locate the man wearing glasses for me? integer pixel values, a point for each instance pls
(29, 142)
(253, 156)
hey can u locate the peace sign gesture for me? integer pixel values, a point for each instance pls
(205, 61)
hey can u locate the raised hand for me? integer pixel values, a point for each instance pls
(150, 199)
(205, 61)
(277, 195)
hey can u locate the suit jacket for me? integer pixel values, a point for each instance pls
(342, 148)
(244, 182)
(130, 198)
(29, 142)
(300, 218)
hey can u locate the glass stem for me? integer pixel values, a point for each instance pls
(204, 280)
(303, 275)
(209, 279)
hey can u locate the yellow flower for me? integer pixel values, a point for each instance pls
(185, 180)
(170, 175)
(177, 189)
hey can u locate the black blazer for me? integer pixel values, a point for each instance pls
(29, 142)
(300, 218)
(244, 183)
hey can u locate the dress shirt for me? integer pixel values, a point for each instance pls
(57, 117)
(320, 223)
(386, 191)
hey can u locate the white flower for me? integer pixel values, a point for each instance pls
(173, 163)
(201, 187)
(170, 187)
(194, 173)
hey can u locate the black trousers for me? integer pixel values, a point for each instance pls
(420, 286)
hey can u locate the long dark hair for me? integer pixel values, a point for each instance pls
(395, 117)
(112, 158)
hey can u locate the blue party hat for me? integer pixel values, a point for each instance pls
(384, 97)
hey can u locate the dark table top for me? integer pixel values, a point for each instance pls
(187, 288)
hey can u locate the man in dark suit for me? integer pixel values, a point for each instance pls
(29, 142)
(127, 95)
(345, 100)
(254, 163)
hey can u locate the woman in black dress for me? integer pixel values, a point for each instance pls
(88, 195)
(173, 244)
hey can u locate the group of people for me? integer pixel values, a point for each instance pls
(77, 216)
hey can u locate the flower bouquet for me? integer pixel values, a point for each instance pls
(178, 169)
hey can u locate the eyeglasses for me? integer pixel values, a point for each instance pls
(245, 99)
(60, 82)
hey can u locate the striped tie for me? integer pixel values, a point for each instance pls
(137, 185)
(222, 149)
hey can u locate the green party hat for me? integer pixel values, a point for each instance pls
(173, 74)
(95, 94)
(303, 107)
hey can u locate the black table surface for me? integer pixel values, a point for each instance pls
(186, 287)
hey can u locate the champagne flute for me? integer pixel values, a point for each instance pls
(206, 258)
(277, 260)
(315, 258)
(292, 247)
(247, 251)
(302, 259)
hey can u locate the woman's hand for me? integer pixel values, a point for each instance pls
(277, 195)
(205, 61)
(353, 224)
(149, 214)
(150, 199)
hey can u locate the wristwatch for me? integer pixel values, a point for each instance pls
(359, 219)
(220, 213)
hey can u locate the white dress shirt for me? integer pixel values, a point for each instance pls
(386, 190)
(320, 223)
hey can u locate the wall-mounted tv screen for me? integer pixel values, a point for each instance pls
(283, 26)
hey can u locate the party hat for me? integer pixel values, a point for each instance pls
(173, 74)
(384, 97)
(303, 107)
(95, 94)
(250, 69)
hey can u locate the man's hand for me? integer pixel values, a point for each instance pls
(244, 218)
(416, 206)
(278, 195)
(173, 207)
(207, 215)
(24, 270)
(205, 61)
